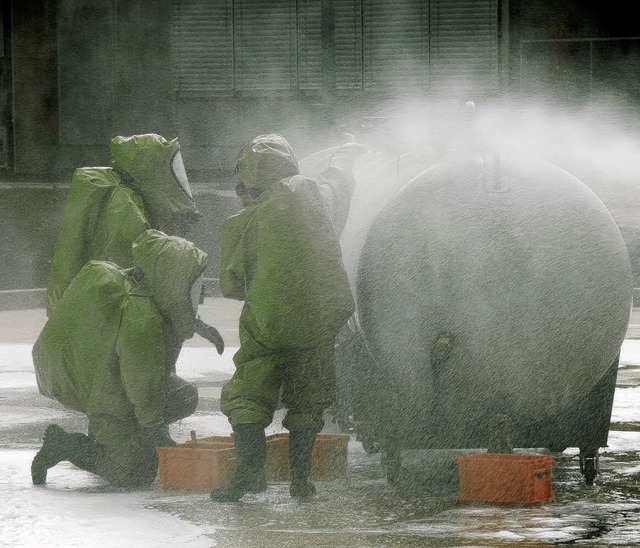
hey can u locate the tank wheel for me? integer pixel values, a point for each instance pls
(391, 461)
(589, 464)
(370, 446)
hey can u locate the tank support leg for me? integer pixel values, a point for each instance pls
(500, 434)
(391, 461)
(589, 463)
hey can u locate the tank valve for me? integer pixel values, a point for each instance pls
(441, 348)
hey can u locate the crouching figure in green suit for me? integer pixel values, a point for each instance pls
(108, 350)
(281, 256)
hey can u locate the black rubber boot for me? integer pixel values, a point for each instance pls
(300, 454)
(58, 445)
(251, 455)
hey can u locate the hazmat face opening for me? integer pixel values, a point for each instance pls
(180, 174)
(195, 293)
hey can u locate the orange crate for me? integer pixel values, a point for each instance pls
(206, 463)
(196, 468)
(505, 478)
(329, 460)
(220, 442)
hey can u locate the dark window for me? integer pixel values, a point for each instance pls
(273, 46)
(247, 46)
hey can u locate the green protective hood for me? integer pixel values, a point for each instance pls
(265, 160)
(282, 256)
(102, 217)
(151, 160)
(79, 338)
(170, 266)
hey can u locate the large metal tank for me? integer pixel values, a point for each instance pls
(493, 295)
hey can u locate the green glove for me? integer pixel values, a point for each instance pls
(211, 334)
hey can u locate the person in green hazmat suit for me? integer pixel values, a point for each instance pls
(107, 351)
(281, 256)
(107, 208)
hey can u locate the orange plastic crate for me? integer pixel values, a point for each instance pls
(196, 468)
(207, 463)
(329, 459)
(505, 478)
(218, 442)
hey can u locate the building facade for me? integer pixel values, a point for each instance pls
(74, 73)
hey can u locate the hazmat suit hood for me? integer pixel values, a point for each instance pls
(170, 267)
(265, 160)
(157, 171)
(102, 217)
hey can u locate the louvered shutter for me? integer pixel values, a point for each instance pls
(348, 45)
(464, 43)
(395, 44)
(203, 45)
(265, 45)
(309, 36)
(275, 46)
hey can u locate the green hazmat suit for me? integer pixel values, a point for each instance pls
(107, 208)
(281, 256)
(108, 350)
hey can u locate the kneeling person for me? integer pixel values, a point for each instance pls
(108, 351)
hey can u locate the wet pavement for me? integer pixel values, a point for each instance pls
(359, 510)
